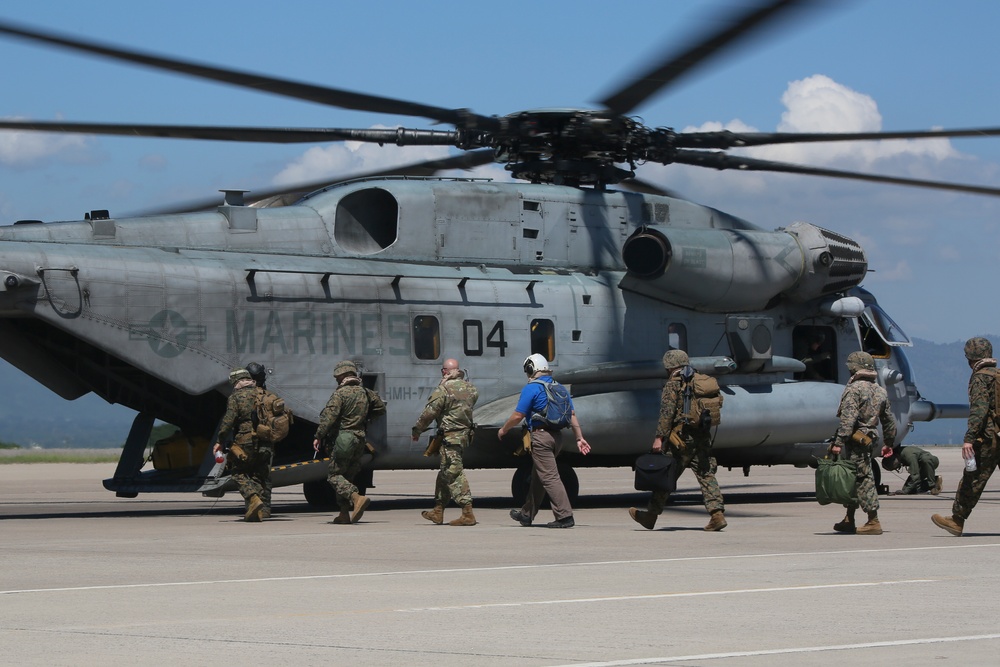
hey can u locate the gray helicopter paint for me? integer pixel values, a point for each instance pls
(187, 297)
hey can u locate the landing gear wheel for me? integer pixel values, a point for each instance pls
(319, 494)
(521, 481)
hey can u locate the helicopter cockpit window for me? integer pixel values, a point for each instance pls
(816, 347)
(543, 338)
(879, 332)
(367, 221)
(426, 337)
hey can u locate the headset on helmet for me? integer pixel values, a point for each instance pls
(257, 372)
(891, 463)
(535, 363)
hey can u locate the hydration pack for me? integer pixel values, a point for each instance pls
(558, 408)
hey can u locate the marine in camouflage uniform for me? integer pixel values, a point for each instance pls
(863, 405)
(266, 448)
(450, 404)
(252, 474)
(980, 436)
(341, 432)
(696, 453)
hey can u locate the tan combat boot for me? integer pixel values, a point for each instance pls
(953, 524)
(872, 527)
(938, 482)
(847, 525)
(343, 517)
(253, 510)
(642, 517)
(467, 518)
(435, 515)
(265, 512)
(360, 504)
(718, 521)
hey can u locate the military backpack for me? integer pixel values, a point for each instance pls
(704, 401)
(274, 418)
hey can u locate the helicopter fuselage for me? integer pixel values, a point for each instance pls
(399, 274)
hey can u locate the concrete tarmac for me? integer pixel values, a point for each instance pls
(90, 579)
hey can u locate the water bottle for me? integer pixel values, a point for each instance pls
(220, 456)
(970, 464)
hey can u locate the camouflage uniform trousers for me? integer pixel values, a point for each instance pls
(254, 476)
(867, 494)
(451, 483)
(697, 456)
(345, 463)
(971, 486)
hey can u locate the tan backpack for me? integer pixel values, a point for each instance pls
(274, 418)
(706, 396)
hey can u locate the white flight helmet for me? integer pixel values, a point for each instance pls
(535, 363)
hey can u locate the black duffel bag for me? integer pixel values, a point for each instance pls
(656, 472)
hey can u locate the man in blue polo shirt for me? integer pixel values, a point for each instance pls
(546, 443)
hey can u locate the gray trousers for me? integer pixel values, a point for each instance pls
(545, 446)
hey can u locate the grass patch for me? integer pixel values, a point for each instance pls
(62, 456)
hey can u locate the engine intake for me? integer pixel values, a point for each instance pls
(722, 270)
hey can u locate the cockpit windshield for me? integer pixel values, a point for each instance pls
(874, 319)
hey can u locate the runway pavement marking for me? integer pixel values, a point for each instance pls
(497, 568)
(782, 651)
(658, 596)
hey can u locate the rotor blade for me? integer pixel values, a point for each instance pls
(467, 160)
(672, 67)
(727, 139)
(645, 187)
(274, 135)
(303, 91)
(723, 161)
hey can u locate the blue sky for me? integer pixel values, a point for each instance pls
(853, 66)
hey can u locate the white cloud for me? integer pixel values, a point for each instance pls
(820, 104)
(900, 272)
(26, 149)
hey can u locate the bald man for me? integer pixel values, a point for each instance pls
(450, 404)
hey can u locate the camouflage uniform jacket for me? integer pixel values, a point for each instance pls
(238, 419)
(451, 405)
(862, 406)
(671, 406)
(982, 412)
(350, 408)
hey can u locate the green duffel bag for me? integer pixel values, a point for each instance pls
(836, 482)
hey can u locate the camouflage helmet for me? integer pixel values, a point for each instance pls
(675, 359)
(857, 361)
(238, 374)
(257, 372)
(345, 368)
(978, 348)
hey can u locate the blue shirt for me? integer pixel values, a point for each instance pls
(533, 400)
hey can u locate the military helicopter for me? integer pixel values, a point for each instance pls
(578, 260)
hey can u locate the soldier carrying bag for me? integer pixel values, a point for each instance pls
(655, 472)
(836, 481)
